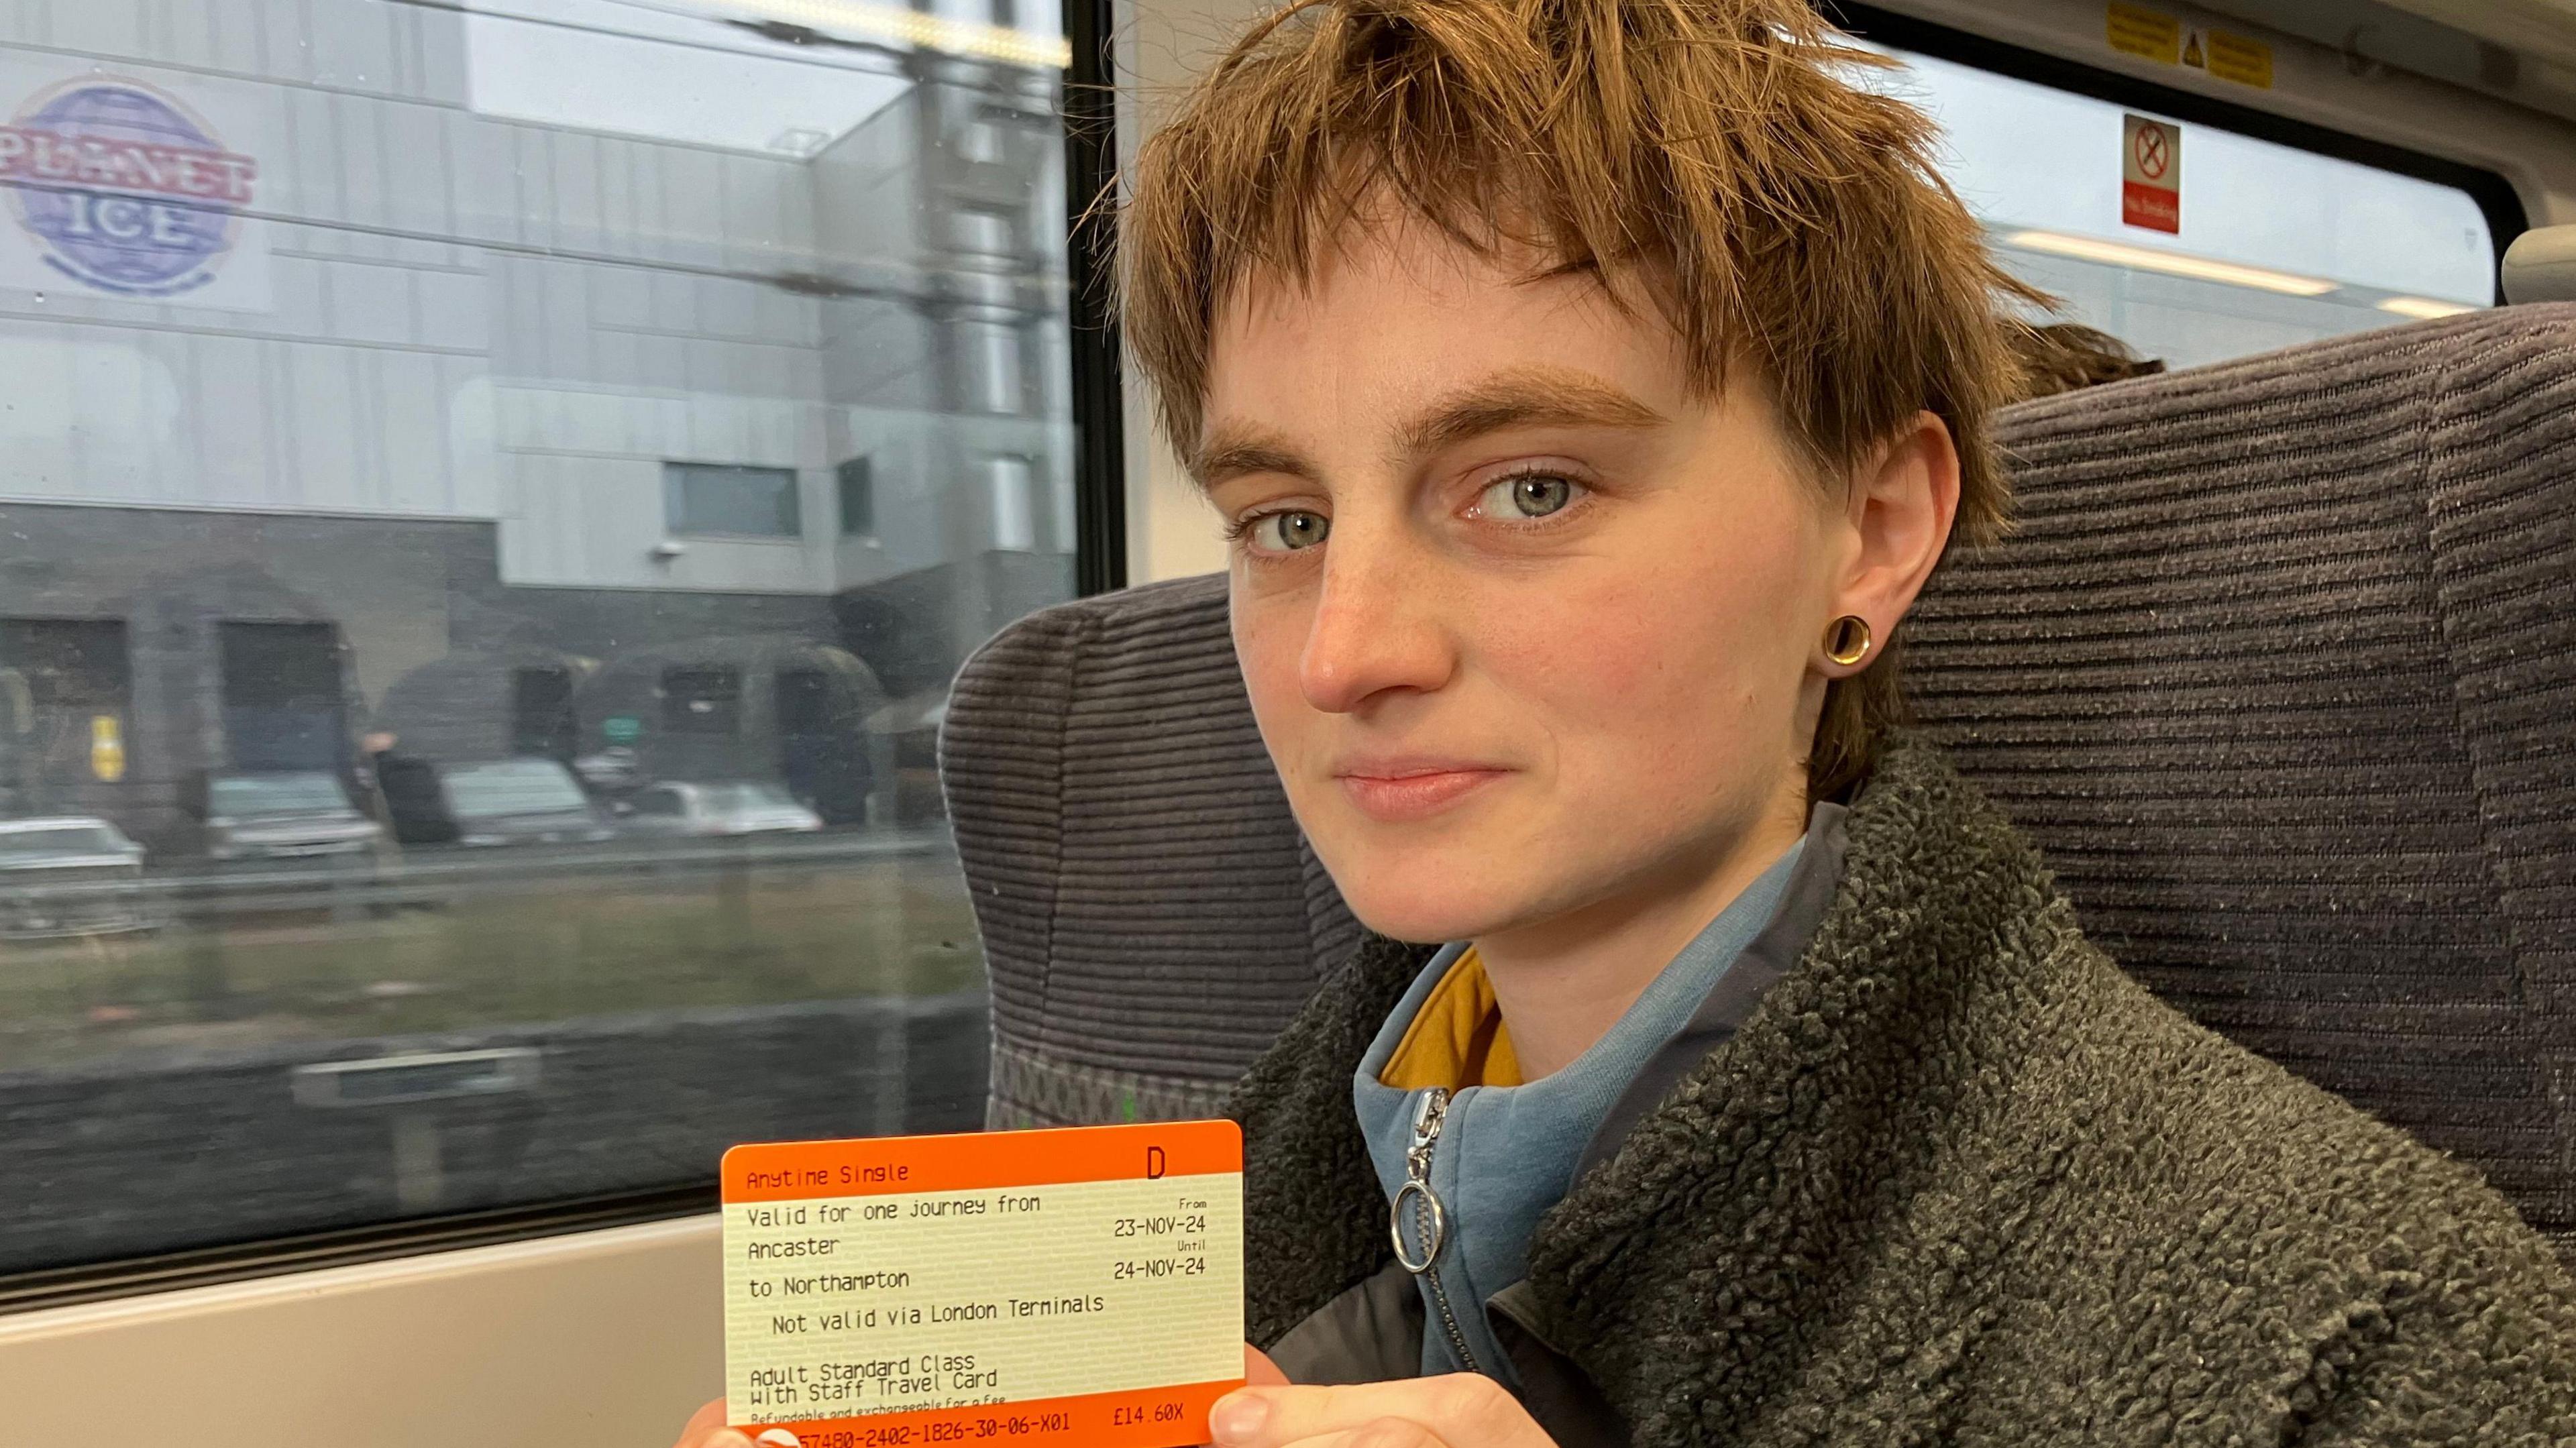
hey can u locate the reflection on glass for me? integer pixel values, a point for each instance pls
(486, 542)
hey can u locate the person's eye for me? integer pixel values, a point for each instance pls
(1286, 531)
(1527, 495)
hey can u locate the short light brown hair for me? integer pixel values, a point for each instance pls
(1703, 158)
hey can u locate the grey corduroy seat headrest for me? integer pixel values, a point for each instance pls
(2277, 672)
(1150, 914)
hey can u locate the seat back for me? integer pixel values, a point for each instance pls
(2276, 671)
(1150, 914)
(2540, 266)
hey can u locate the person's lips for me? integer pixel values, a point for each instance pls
(1397, 789)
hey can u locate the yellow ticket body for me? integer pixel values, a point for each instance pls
(1078, 1288)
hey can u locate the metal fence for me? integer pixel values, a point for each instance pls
(369, 883)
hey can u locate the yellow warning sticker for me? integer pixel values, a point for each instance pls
(2164, 39)
(2235, 58)
(2152, 34)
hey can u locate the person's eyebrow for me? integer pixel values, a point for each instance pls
(1521, 397)
(1524, 397)
(1232, 451)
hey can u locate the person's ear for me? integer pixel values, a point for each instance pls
(1902, 501)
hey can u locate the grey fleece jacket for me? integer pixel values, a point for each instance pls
(1959, 1180)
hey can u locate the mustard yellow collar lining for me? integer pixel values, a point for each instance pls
(1457, 1038)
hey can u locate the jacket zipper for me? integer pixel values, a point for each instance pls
(1427, 1119)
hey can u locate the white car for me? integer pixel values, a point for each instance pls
(69, 875)
(703, 810)
(296, 816)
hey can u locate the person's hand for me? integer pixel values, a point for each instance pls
(1259, 1371)
(706, 1429)
(1461, 1410)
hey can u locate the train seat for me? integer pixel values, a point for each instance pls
(2277, 670)
(2540, 266)
(1150, 914)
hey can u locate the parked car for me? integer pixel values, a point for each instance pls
(705, 810)
(491, 802)
(69, 875)
(288, 816)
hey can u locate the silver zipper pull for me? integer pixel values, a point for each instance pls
(1427, 1116)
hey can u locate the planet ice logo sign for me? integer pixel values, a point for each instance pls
(123, 187)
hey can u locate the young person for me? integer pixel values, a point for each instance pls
(1589, 387)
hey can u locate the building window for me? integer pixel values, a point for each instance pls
(65, 693)
(706, 498)
(858, 487)
(541, 717)
(285, 697)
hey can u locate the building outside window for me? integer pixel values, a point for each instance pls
(699, 498)
(857, 484)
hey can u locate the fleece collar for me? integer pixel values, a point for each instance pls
(1955, 1179)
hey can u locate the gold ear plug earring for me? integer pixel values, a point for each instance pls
(1847, 639)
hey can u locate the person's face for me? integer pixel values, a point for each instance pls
(1529, 625)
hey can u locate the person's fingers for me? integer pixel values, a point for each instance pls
(706, 1429)
(1461, 1410)
(1259, 1371)
(1384, 1433)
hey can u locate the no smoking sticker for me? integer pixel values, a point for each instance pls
(2151, 174)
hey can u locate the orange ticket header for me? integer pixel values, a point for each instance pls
(970, 1161)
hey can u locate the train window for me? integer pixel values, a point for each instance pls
(418, 641)
(2191, 241)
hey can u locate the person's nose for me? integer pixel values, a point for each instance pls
(1378, 623)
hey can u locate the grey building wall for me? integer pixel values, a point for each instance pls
(484, 338)
(475, 317)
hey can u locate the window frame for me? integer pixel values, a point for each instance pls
(1090, 108)
(2495, 196)
(1089, 114)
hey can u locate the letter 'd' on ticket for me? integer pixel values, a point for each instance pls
(1079, 1288)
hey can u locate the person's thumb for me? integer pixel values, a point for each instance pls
(1259, 1371)
(706, 1429)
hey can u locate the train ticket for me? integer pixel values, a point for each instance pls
(1077, 1288)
